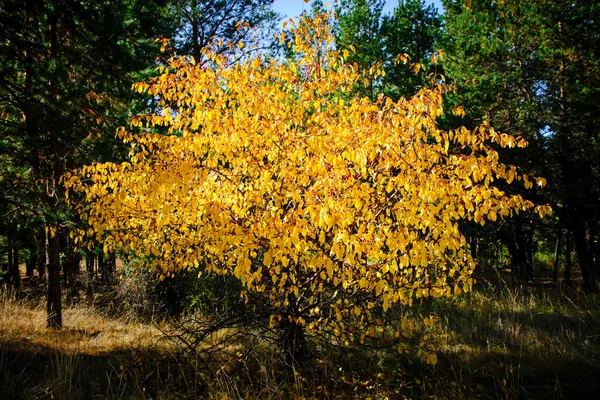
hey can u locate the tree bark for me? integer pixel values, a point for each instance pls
(89, 267)
(293, 337)
(515, 264)
(101, 267)
(41, 259)
(568, 264)
(70, 269)
(583, 256)
(519, 242)
(14, 274)
(557, 251)
(293, 342)
(474, 245)
(53, 303)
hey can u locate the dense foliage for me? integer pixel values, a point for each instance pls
(377, 40)
(532, 69)
(332, 182)
(66, 69)
(332, 206)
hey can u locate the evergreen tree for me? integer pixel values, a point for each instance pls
(411, 29)
(201, 22)
(531, 68)
(377, 39)
(358, 29)
(65, 72)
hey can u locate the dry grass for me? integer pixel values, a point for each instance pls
(531, 343)
(510, 344)
(85, 331)
(86, 359)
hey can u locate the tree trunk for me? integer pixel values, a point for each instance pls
(557, 250)
(31, 262)
(102, 267)
(473, 244)
(14, 274)
(293, 338)
(89, 267)
(53, 304)
(51, 173)
(293, 342)
(519, 243)
(70, 270)
(583, 255)
(515, 263)
(528, 249)
(568, 265)
(41, 259)
(66, 265)
(196, 49)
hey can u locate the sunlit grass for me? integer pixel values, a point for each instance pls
(85, 331)
(494, 343)
(534, 343)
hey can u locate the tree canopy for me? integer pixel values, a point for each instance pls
(332, 206)
(66, 69)
(532, 69)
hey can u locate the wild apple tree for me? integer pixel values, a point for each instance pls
(332, 207)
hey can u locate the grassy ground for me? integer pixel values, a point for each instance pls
(538, 342)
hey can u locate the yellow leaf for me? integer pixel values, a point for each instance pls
(283, 175)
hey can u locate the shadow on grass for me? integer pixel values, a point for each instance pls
(48, 373)
(513, 345)
(533, 344)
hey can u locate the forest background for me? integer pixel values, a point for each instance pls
(528, 69)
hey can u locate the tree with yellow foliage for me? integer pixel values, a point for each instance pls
(332, 207)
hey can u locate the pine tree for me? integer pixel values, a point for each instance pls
(531, 69)
(65, 69)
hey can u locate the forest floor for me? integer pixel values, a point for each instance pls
(538, 342)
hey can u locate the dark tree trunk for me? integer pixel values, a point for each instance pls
(293, 338)
(528, 250)
(515, 264)
(293, 342)
(473, 245)
(71, 270)
(196, 49)
(31, 264)
(568, 263)
(67, 264)
(519, 242)
(51, 173)
(14, 274)
(41, 259)
(524, 240)
(557, 250)
(89, 267)
(101, 266)
(53, 304)
(583, 256)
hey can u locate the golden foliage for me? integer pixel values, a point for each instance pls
(335, 207)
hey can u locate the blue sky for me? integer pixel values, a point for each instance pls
(293, 8)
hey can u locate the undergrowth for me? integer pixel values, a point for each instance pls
(532, 342)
